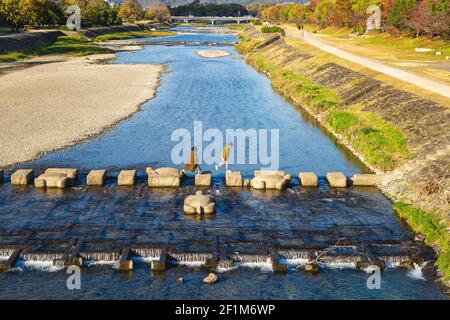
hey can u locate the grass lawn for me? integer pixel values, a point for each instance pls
(75, 46)
(134, 34)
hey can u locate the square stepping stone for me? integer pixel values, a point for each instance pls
(233, 179)
(203, 179)
(127, 178)
(22, 177)
(96, 178)
(337, 179)
(361, 179)
(308, 179)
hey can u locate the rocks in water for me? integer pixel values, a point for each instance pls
(247, 183)
(96, 178)
(164, 177)
(407, 264)
(308, 179)
(361, 179)
(337, 179)
(364, 264)
(56, 178)
(199, 204)
(2, 175)
(127, 178)
(311, 267)
(419, 237)
(22, 177)
(233, 179)
(270, 179)
(181, 279)
(203, 179)
(211, 279)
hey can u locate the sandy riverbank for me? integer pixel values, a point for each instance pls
(54, 105)
(213, 53)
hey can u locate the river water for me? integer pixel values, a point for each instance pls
(222, 93)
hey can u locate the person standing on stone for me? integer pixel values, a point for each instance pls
(191, 164)
(225, 156)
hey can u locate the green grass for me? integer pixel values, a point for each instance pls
(133, 34)
(435, 233)
(272, 29)
(75, 46)
(381, 144)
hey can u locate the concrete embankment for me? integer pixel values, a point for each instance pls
(29, 40)
(98, 31)
(423, 178)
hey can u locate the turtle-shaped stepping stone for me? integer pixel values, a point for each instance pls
(199, 204)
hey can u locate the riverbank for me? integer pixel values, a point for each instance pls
(392, 131)
(68, 101)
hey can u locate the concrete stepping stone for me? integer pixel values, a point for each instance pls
(308, 179)
(203, 179)
(361, 179)
(127, 178)
(56, 178)
(270, 179)
(233, 179)
(22, 177)
(96, 178)
(164, 177)
(337, 179)
(199, 204)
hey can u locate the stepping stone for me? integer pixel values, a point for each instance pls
(233, 179)
(366, 179)
(270, 179)
(125, 262)
(308, 179)
(56, 178)
(164, 177)
(337, 179)
(126, 178)
(96, 178)
(203, 179)
(199, 204)
(2, 175)
(22, 177)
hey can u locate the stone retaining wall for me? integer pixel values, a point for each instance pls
(27, 40)
(424, 180)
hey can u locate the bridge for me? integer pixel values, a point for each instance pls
(213, 20)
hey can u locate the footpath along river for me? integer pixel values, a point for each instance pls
(222, 93)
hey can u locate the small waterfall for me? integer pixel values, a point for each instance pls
(249, 258)
(42, 256)
(348, 259)
(5, 253)
(146, 253)
(394, 261)
(188, 257)
(417, 273)
(294, 254)
(100, 256)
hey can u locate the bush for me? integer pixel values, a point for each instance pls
(272, 29)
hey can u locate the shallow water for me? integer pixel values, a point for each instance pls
(223, 93)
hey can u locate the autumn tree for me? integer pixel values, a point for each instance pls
(13, 13)
(158, 12)
(401, 10)
(131, 11)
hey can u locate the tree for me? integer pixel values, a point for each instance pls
(401, 9)
(12, 12)
(131, 11)
(158, 12)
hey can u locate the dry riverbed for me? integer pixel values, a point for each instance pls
(55, 105)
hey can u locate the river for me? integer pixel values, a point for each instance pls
(221, 93)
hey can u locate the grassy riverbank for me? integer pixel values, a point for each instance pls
(73, 45)
(435, 233)
(381, 144)
(134, 34)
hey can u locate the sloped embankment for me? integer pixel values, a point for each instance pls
(29, 40)
(392, 131)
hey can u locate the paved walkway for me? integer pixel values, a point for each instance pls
(424, 83)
